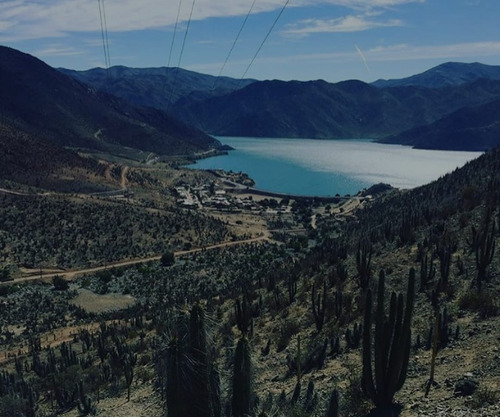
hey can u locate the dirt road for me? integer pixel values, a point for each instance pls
(70, 275)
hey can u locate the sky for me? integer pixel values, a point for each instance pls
(333, 40)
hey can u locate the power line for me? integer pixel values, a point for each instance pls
(106, 32)
(234, 44)
(182, 52)
(265, 39)
(102, 34)
(175, 31)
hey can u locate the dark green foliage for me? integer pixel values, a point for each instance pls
(319, 306)
(391, 344)
(60, 284)
(242, 377)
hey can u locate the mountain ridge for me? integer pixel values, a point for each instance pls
(446, 74)
(40, 100)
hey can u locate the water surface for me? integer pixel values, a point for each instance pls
(329, 167)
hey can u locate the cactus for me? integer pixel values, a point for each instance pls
(292, 288)
(128, 370)
(427, 272)
(484, 248)
(353, 338)
(319, 307)
(391, 345)
(363, 261)
(85, 406)
(333, 405)
(242, 377)
(243, 315)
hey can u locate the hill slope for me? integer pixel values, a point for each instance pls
(471, 128)
(447, 74)
(42, 101)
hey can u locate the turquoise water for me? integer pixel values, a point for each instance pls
(329, 167)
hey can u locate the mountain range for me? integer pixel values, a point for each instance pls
(315, 109)
(45, 103)
(127, 107)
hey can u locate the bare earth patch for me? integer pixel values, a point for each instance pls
(95, 303)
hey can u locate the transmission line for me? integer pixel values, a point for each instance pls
(175, 31)
(265, 38)
(106, 32)
(106, 55)
(234, 44)
(181, 53)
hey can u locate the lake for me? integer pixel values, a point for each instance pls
(329, 167)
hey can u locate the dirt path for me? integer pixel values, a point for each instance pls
(123, 181)
(70, 275)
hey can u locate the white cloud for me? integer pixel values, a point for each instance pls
(343, 24)
(28, 19)
(57, 51)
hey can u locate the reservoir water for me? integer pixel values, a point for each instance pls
(329, 167)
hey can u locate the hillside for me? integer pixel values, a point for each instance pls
(31, 161)
(447, 74)
(155, 87)
(471, 128)
(41, 101)
(295, 304)
(317, 109)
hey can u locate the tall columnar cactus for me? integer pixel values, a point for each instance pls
(427, 272)
(363, 264)
(319, 306)
(484, 248)
(242, 378)
(243, 315)
(391, 343)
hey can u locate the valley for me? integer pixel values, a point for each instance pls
(133, 285)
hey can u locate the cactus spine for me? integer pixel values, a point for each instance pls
(391, 344)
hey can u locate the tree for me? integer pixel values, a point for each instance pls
(167, 259)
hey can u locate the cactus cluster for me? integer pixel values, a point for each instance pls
(386, 373)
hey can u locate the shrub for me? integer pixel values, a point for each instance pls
(483, 303)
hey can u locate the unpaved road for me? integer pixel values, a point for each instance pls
(70, 275)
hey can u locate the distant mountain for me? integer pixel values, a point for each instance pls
(46, 103)
(317, 109)
(156, 87)
(448, 74)
(470, 128)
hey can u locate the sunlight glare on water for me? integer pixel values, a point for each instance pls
(328, 167)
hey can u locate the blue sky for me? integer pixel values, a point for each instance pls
(332, 40)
